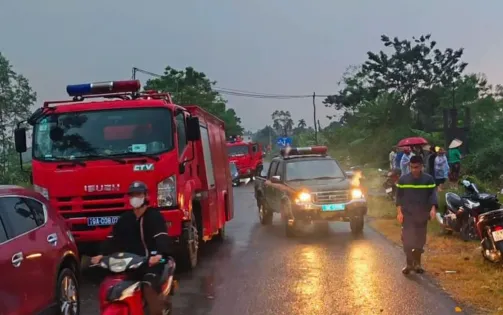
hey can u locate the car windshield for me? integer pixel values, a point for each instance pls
(103, 133)
(313, 169)
(237, 150)
(233, 168)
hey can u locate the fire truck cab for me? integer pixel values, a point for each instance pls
(87, 153)
(247, 156)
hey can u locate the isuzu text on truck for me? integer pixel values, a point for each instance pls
(247, 156)
(87, 153)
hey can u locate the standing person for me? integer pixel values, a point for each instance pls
(441, 168)
(430, 164)
(404, 162)
(416, 201)
(398, 157)
(392, 157)
(454, 158)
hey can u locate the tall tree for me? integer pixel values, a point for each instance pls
(282, 122)
(16, 98)
(189, 86)
(409, 72)
(301, 124)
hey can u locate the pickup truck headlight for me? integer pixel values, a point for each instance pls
(356, 193)
(166, 192)
(41, 190)
(303, 197)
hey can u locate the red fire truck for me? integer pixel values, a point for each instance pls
(247, 156)
(87, 153)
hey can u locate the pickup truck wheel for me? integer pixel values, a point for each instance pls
(264, 215)
(356, 224)
(190, 245)
(290, 230)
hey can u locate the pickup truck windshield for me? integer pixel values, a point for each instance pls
(103, 133)
(237, 150)
(313, 169)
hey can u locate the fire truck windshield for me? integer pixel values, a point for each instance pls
(102, 133)
(237, 150)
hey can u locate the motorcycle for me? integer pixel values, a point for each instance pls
(462, 212)
(122, 296)
(490, 228)
(390, 182)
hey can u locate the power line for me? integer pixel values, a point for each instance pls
(239, 93)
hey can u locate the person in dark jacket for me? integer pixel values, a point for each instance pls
(431, 161)
(142, 232)
(416, 202)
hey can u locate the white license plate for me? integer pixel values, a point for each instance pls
(498, 235)
(388, 190)
(97, 221)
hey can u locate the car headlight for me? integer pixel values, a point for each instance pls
(41, 190)
(356, 193)
(303, 197)
(166, 192)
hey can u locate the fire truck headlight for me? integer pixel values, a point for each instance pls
(41, 190)
(166, 192)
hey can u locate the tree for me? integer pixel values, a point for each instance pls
(282, 122)
(189, 86)
(301, 124)
(410, 72)
(16, 97)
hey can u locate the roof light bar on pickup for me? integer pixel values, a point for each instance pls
(304, 151)
(103, 88)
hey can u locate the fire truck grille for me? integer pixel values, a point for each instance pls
(329, 197)
(91, 203)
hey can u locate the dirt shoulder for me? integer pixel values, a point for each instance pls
(458, 266)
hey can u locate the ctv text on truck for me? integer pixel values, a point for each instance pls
(86, 151)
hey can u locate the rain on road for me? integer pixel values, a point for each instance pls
(257, 270)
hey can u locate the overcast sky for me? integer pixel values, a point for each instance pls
(273, 46)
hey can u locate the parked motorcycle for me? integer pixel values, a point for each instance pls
(118, 294)
(490, 229)
(462, 212)
(391, 178)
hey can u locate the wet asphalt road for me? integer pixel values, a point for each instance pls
(257, 270)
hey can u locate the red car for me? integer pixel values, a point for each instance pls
(38, 256)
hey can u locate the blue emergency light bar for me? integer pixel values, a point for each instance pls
(103, 88)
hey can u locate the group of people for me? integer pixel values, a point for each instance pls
(436, 162)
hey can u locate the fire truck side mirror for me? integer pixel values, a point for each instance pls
(20, 140)
(193, 131)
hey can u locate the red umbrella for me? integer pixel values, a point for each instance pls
(412, 141)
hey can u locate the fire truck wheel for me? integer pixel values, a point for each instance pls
(189, 245)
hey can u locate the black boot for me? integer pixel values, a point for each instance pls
(410, 265)
(417, 252)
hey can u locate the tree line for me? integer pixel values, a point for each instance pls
(402, 91)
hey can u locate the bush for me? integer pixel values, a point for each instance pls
(485, 163)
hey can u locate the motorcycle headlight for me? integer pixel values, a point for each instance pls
(118, 265)
(41, 190)
(303, 197)
(166, 192)
(356, 193)
(471, 204)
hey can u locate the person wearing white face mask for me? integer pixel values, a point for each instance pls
(143, 232)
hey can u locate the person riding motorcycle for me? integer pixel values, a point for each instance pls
(141, 232)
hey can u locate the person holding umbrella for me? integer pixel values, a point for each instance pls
(454, 158)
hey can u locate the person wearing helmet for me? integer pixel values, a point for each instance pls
(143, 232)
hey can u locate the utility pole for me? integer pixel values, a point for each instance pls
(314, 119)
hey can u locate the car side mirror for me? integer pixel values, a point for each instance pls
(276, 179)
(20, 140)
(193, 131)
